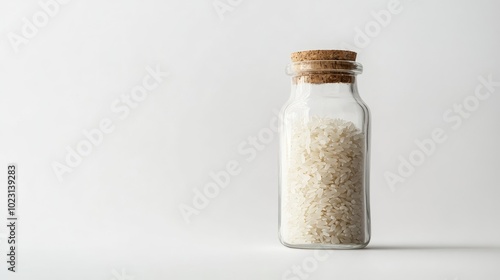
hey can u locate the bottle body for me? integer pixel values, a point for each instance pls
(324, 166)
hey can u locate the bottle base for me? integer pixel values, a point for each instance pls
(320, 246)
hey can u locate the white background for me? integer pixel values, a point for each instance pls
(116, 215)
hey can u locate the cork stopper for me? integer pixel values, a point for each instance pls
(323, 55)
(324, 66)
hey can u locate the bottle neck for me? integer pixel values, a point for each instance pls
(304, 90)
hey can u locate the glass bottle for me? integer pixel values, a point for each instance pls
(324, 154)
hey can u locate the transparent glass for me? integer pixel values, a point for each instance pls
(324, 161)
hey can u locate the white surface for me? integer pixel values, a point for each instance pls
(118, 210)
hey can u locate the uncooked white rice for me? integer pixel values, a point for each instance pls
(323, 183)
